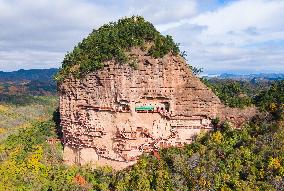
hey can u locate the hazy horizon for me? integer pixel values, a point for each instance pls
(202, 74)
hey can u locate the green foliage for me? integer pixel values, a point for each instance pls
(111, 42)
(24, 100)
(195, 71)
(266, 96)
(133, 64)
(272, 100)
(231, 93)
(19, 111)
(246, 159)
(148, 174)
(225, 159)
(251, 158)
(27, 162)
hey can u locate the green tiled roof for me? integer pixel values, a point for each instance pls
(143, 108)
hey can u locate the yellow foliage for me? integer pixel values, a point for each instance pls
(2, 130)
(281, 171)
(202, 150)
(3, 108)
(41, 118)
(33, 161)
(225, 188)
(273, 107)
(11, 169)
(202, 181)
(2, 147)
(217, 137)
(274, 163)
(25, 125)
(15, 152)
(261, 173)
(226, 177)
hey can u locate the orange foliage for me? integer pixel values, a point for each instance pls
(78, 179)
(156, 154)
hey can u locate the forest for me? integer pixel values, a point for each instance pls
(250, 158)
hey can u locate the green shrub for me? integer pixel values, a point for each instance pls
(112, 41)
(231, 93)
(272, 100)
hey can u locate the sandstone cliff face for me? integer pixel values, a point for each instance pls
(111, 116)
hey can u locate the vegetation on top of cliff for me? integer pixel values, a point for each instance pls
(112, 41)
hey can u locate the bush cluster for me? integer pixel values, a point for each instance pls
(231, 93)
(111, 42)
(272, 100)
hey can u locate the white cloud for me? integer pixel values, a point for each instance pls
(235, 36)
(38, 33)
(163, 11)
(15, 60)
(241, 15)
(44, 27)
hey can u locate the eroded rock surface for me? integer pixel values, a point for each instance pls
(110, 117)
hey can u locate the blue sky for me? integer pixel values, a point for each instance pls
(234, 36)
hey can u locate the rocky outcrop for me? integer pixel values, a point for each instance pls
(112, 116)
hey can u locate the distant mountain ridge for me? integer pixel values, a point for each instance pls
(30, 82)
(44, 75)
(28, 75)
(248, 77)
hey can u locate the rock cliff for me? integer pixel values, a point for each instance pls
(112, 115)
